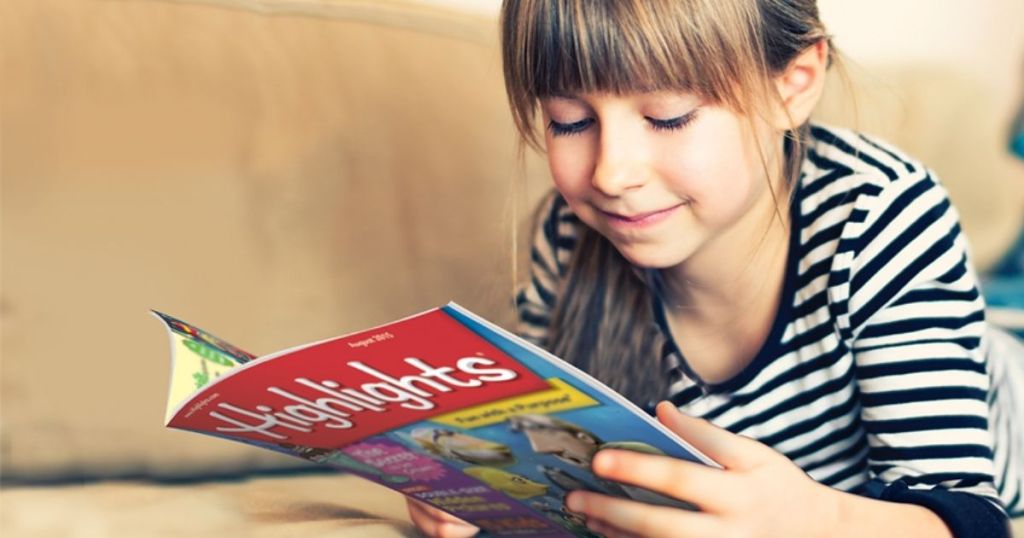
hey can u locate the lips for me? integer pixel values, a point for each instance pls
(642, 218)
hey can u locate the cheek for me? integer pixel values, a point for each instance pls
(732, 195)
(571, 165)
(716, 177)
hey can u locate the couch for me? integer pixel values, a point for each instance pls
(281, 171)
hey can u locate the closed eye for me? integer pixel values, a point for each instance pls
(673, 124)
(670, 124)
(564, 129)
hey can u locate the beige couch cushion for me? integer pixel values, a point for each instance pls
(322, 505)
(275, 179)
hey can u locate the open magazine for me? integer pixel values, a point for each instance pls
(442, 406)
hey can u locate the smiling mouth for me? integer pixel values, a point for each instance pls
(640, 219)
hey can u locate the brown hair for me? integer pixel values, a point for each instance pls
(725, 51)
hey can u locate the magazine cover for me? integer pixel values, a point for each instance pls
(442, 406)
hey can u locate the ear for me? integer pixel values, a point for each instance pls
(800, 86)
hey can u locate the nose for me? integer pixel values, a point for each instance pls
(619, 167)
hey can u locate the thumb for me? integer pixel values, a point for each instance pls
(726, 448)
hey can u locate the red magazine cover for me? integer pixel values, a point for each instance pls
(442, 406)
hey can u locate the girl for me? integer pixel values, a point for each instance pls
(805, 291)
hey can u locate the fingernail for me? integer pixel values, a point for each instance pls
(574, 503)
(603, 462)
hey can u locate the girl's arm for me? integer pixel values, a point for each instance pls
(914, 322)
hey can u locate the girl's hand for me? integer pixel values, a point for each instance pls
(437, 524)
(758, 493)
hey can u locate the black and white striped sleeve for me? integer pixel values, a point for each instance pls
(914, 320)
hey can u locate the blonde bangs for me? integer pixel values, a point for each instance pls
(568, 47)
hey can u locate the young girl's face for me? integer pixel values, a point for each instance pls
(661, 175)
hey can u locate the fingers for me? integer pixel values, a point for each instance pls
(696, 483)
(726, 448)
(436, 523)
(609, 516)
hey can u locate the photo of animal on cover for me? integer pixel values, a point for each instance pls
(537, 458)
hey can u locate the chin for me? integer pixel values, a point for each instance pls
(652, 256)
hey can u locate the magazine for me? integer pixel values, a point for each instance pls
(442, 406)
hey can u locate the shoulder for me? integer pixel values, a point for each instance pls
(882, 224)
(848, 163)
(861, 154)
(859, 185)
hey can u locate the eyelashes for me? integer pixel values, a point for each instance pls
(568, 129)
(671, 124)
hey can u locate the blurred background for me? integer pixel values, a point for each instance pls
(281, 171)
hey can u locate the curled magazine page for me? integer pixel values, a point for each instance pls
(197, 358)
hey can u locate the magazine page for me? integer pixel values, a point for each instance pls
(441, 406)
(197, 358)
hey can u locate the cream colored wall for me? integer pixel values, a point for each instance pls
(980, 41)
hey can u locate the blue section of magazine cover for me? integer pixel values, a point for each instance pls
(614, 420)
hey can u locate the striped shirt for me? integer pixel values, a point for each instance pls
(880, 375)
